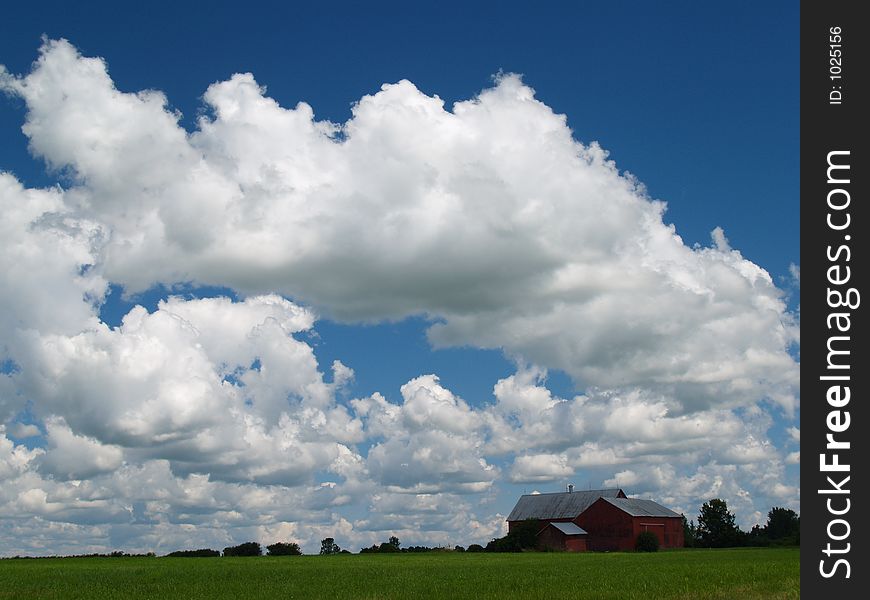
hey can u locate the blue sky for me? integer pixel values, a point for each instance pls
(699, 102)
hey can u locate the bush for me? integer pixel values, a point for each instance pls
(283, 549)
(647, 541)
(475, 548)
(246, 549)
(507, 543)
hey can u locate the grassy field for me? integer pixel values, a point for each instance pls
(691, 574)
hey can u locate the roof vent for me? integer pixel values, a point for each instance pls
(570, 488)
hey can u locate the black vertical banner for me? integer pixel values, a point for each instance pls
(835, 423)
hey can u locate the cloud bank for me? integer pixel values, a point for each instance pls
(210, 420)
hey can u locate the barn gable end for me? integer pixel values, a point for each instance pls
(615, 523)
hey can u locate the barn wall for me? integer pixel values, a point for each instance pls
(576, 544)
(609, 528)
(669, 530)
(551, 538)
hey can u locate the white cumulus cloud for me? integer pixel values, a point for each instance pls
(498, 223)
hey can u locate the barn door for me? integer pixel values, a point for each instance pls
(656, 528)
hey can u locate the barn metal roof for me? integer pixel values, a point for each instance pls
(569, 528)
(637, 507)
(562, 505)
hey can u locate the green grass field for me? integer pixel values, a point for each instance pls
(745, 573)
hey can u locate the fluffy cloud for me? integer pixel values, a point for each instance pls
(633, 440)
(14, 459)
(71, 456)
(433, 441)
(45, 266)
(499, 224)
(209, 421)
(211, 385)
(46, 274)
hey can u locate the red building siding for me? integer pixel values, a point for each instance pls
(577, 544)
(611, 528)
(669, 530)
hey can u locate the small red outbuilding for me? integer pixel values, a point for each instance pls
(562, 536)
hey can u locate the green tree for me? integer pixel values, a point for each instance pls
(782, 523)
(523, 536)
(690, 533)
(283, 549)
(246, 549)
(757, 536)
(394, 542)
(717, 527)
(328, 546)
(526, 533)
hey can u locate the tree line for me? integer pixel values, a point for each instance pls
(327, 547)
(717, 528)
(246, 549)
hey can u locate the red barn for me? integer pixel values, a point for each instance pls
(596, 520)
(615, 523)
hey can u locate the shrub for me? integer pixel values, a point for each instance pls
(475, 548)
(647, 541)
(507, 543)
